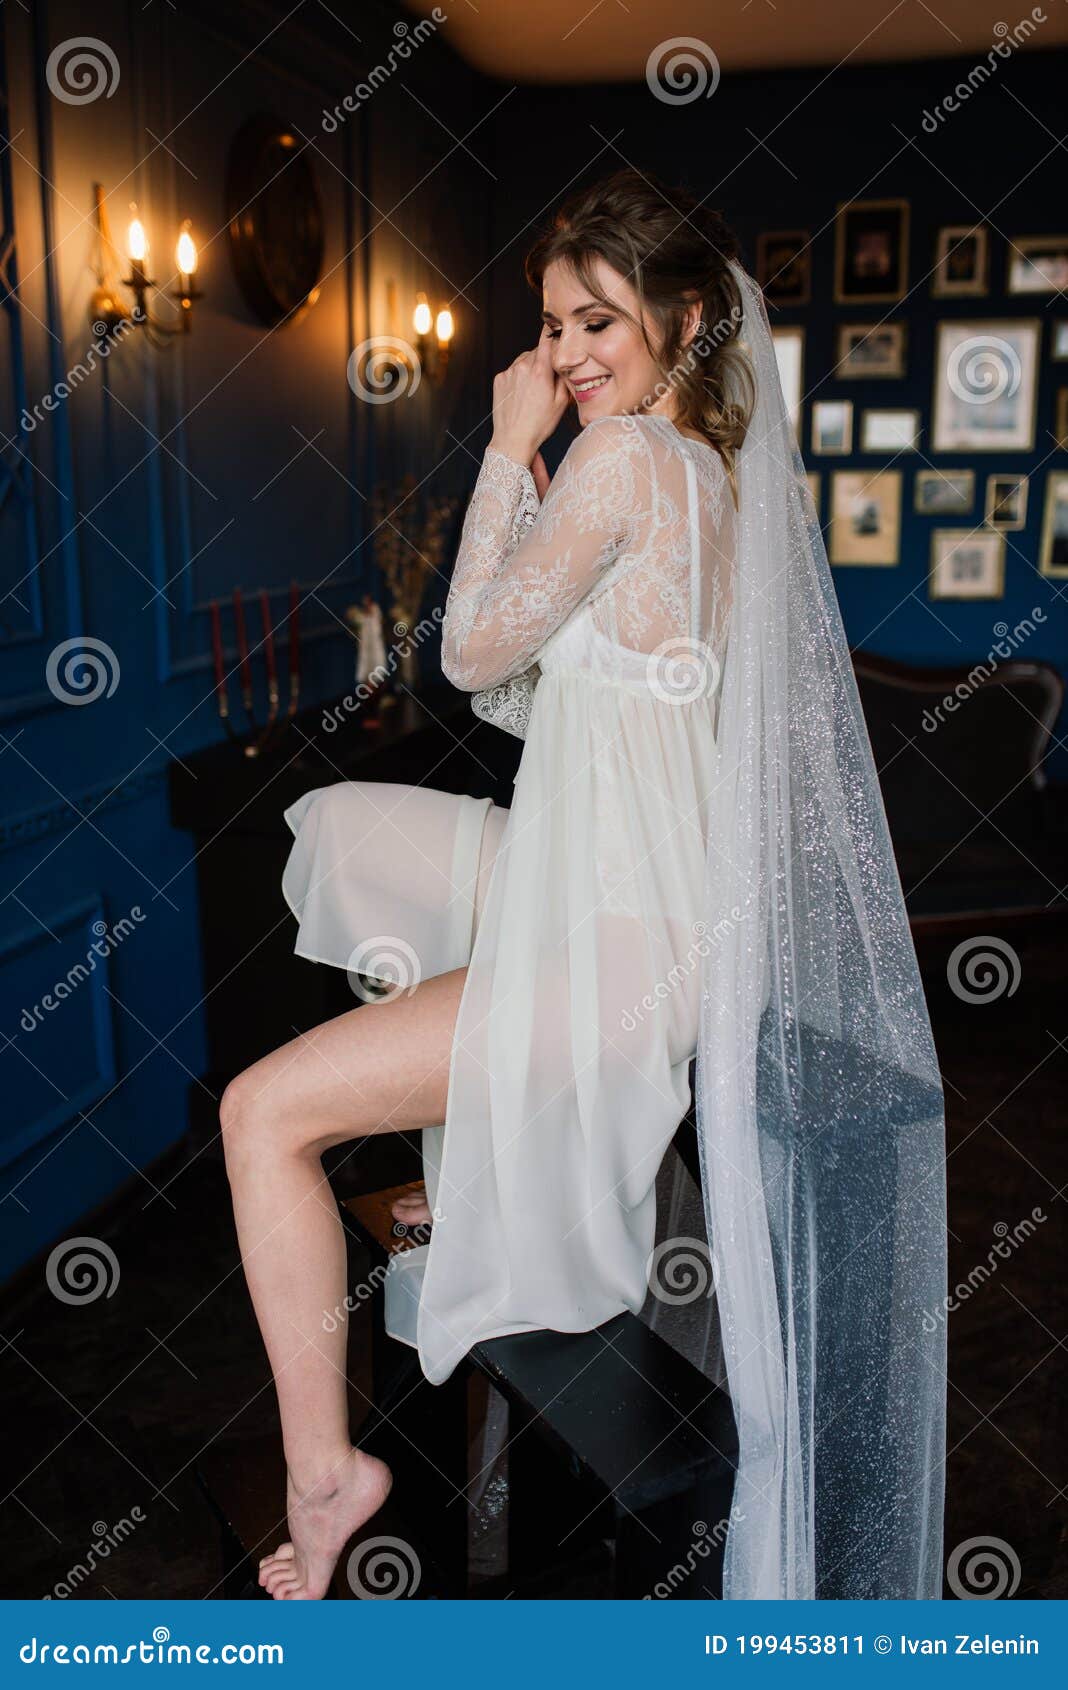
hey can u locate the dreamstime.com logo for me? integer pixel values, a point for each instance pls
(1008, 1241)
(155, 1651)
(983, 369)
(105, 940)
(681, 1270)
(383, 1569)
(700, 1549)
(406, 38)
(1009, 641)
(81, 670)
(983, 1569)
(107, 338)
(682, 670)
(983, 969)
(682, 70)
(410, 639)
(82, 1270)
(383, 368)
(387, 959)
(81, 69)
(105, 1539)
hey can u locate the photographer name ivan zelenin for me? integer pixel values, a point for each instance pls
(816, 1643)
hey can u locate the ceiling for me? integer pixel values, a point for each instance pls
(612, 40)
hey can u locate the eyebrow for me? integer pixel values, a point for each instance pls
(579, 311)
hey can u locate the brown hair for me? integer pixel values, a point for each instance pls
(672, 251)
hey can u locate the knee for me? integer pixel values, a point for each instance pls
(241, 1117)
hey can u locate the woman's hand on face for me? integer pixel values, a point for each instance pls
(529, 399)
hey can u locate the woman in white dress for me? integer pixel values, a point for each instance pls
(548, 961)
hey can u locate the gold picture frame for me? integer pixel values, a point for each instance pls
(1053, 546)
(979, 353)
(869, 424)
(865, 519)
(895, 244)
(1060, 419)
(1022, 271)
(823, 432)
(950, 243)
(791, 374)
(771, 266)
(851, 363)
(995, 498)
(943, 479)
(968, 547)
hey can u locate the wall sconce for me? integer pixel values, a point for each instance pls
(107, 304)
(433, 359)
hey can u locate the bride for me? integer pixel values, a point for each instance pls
(695, 863)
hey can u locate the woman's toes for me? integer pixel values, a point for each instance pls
(281, 1578)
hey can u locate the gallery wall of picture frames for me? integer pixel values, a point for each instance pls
(996, 380)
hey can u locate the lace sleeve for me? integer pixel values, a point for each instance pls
(501, 609)
(508, 705)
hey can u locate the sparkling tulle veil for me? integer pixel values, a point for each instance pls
(818, 1096)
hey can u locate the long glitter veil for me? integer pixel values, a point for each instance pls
(818, 1096)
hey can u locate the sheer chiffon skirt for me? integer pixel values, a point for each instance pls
(391, 881)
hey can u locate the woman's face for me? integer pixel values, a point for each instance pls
(602, 358)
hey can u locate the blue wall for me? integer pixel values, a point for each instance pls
(165, 479)
(241, 457)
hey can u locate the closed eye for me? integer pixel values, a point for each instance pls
(591, 327)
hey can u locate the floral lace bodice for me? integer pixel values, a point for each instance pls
(635, 534)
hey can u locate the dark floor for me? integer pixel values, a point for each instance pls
(113, 1405)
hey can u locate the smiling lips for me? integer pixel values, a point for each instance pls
(586, 389)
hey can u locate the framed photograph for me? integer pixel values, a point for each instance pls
(1038, 264)
(1053, 551)
(890, 431)
(1059, 341)
(790, 356)
(1006, 501)
(944, 492)
(865, 516)
(1060, 420)
(874, 350)
(871, 255)
(832, 426)
(967, 565)
(962, 262)
(784, 267)
(984, 385)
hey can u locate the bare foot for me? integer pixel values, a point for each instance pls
(322, 1520)
(412, 1210)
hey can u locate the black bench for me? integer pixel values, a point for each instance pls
(617, 1446)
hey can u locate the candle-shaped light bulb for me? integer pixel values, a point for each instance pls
(421, 316)
(186, 253)
(136, 239)
(444, 327)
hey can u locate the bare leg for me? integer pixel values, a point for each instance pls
(380, 1068)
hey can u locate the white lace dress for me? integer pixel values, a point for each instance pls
(595, 627)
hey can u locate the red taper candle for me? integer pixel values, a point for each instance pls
(242, 642)
(268, 638)
(217, 647)
(294, 637)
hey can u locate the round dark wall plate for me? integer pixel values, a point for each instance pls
(276, 219)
